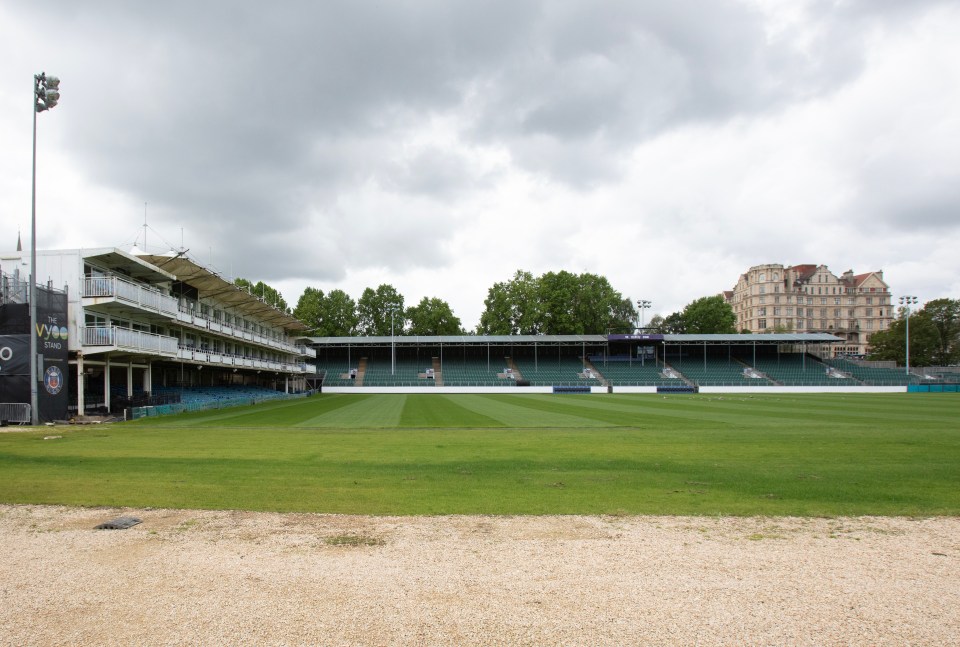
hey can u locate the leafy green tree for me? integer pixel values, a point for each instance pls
(374, 309)
(309, 309)
(709, 315)
(674, 324)
(511, 308)
(432, 317)
(944, 314)
(655, 325)
(891, 344)
(264, 292)
(338, 315)
(582, 304)
(556, 303)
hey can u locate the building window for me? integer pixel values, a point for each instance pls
(869, 312)
(763, 277)
(762, 323)
(799, 324)
(823, 301)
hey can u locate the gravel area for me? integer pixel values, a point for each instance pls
(201, 577)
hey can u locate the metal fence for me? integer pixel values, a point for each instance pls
(15, 412)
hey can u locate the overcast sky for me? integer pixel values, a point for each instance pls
(439, 146)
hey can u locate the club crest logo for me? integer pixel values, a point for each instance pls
(53, 380)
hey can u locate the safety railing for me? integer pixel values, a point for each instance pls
(142, 296)
(126, 339)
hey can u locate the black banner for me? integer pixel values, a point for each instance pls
(52, 351)
(14, 358)
(52, 345)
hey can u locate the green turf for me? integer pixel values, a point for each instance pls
(896, 454)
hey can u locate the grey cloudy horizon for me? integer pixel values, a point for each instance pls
(441, 146)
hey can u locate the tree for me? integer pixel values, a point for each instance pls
(263, 292)
(309, 308)
(582, 304)
(891, 344)
(709, 315)
(338, 315)
(332, 315)
(674, 324)
(511, 308)
(556, 303)
(944, 314)
(432, 317)
(655, 325)
(374, 309)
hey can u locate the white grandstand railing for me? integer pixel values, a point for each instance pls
(142, 296)
(126, 339)
(190, 317)
(214, 358)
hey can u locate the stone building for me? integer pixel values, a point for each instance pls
(811, 298)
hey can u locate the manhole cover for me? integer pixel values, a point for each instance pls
(119, 523)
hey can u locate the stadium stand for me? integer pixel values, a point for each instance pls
(554, 372)
(468, 372)
(624, 371)
(875, 376)
(793, 369)
(716, 371)
(404, 372)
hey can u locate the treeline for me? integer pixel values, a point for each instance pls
(554, 303)
(934, 336)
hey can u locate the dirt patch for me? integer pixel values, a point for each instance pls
(228, 577)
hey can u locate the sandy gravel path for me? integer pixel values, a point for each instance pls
(189, 577)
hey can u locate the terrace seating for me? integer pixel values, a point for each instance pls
(335, 372)
(716, 371)
(203, 395)
(403, 372)
(875, 376)
(624, 371)
(792, 369)
(552, 372)
(475, 373)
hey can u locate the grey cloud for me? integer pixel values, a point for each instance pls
(242, 117)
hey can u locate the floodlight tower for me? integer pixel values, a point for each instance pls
(46, 94)
(393, 347)
(906, 302)
(642, 305)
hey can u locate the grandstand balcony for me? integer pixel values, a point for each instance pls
(104, 339)
(213, 358)
(123, 296)
(198, 321)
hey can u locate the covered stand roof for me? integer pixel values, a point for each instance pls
(212, 285)
(530, 340)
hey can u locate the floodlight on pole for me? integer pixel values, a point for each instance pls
(906, 302)
(393, 348)
(643, 304)
(46, 95)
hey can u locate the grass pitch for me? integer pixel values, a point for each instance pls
(870, 454)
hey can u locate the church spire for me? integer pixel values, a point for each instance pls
(19, 245)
